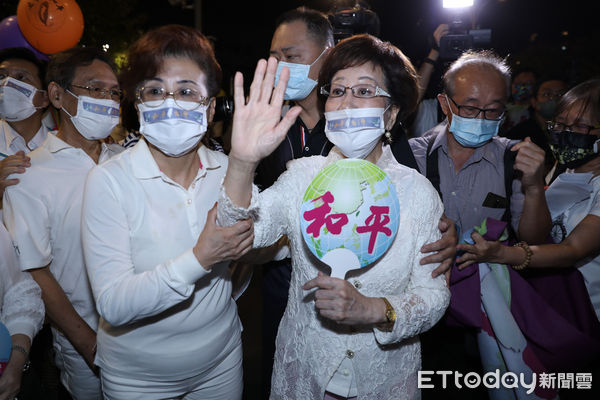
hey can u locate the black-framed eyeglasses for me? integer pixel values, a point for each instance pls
(99, 93)
(493, 114)
(361, 91)
(187, 97)
(554, 126)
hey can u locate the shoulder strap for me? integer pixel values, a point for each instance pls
(432, 169)
(509, 175)
(401, 149)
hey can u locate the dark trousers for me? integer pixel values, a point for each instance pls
(275, 286)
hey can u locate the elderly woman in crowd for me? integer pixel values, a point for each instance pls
(354, 340)
(157, 260)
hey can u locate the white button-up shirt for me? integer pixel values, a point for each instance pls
(11, 141)
(43, 215)
(164, 317)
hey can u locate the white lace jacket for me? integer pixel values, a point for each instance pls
(21, 306)
(310, 348)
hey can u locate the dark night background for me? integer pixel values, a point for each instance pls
(553, 37)
(530, 32)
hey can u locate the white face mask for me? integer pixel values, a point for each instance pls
(171, 129)
(355, 131)
(95, 118)
(16, 99)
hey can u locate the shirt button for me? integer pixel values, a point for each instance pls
(346, 372)
(189, 201)
(349, 354)
(193, 186)
(453, 193)
(357, 284)
(306, 148)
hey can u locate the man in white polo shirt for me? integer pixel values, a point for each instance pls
(43, 212)
(24, 122)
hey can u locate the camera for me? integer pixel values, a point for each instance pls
(351, 21)
(223, 108)
(460, 39)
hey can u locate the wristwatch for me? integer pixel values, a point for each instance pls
(390, 313)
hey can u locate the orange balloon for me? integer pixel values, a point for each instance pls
(50, 26)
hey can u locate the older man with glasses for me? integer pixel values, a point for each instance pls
(43, 212)
(474, 172)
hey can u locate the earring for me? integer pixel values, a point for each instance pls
(388, 137)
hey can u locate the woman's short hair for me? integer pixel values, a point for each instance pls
(146, 56)
(587, 94)
(484, 59)
(401, 80)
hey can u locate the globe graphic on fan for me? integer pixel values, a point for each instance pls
(350, 214)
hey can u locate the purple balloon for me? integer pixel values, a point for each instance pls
(11, 36)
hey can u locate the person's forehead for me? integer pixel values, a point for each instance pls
(553, 85)
(293, 34)
(21, 65)
(96, 71)
(474, 79)
(575, 114)
(524, 77)
(360, 73)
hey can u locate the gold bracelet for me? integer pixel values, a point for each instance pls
(390, 313)
(528, 254)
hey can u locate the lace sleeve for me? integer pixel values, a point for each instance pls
(22, 306)
(272, 208)
(23, 310)
(425, 299)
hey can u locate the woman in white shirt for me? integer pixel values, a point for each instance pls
(157, 261)
(21, 311)
(573, 198)
(356, 338)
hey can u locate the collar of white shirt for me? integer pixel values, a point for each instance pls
(144, 166)
(53, 144)
(10, 136)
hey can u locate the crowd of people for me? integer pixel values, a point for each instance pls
(125, 248)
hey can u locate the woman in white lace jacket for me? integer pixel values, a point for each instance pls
(21, 311)
(341, 339)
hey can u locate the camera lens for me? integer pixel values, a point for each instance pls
(223, 108)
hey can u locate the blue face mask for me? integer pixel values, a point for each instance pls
(473, 132)
(299, 85)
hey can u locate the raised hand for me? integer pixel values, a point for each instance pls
(530, 160)
(441, 30)
(257, 124)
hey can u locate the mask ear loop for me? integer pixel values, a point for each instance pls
(317, 59)
(74, 95)
(39, 90)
